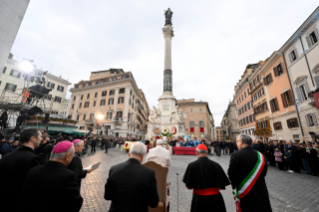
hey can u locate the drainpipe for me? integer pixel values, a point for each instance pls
(303, 49)
(294, 95)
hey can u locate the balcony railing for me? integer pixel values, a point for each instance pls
(89, 121)
(117, 119)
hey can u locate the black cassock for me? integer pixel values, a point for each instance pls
(205, 176)
(50, 188)
(77, 167)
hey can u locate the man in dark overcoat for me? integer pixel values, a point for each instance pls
(14, 167)
(131, 186)
(251, 189)
(52, 187)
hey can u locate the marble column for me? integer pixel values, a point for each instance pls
(168, 34)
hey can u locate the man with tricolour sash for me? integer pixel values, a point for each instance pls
(247, 171)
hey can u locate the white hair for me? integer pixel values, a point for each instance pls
(159, 142)
(79, 143)
(138, 148)
(60, 156)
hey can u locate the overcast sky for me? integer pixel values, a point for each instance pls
(214, 41)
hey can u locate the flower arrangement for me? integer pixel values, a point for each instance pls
(165, 131)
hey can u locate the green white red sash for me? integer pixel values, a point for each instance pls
(251, 179)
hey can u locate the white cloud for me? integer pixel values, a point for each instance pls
(213, 43)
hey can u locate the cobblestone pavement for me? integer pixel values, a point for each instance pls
(288, 191)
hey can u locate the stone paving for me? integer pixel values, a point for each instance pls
(288, 191)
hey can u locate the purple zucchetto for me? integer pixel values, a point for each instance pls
(63, 146)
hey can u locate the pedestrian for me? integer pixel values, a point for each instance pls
(206, 178)
(278, 158)
(231, 147)
(93, 144)
(247, 171)
(140, 190)
(269, 153)
(304, 158)
(52, 185)
(14, 168)
(106, 144)
(312, 157)
(5, 147)
(14, 146)
(76, 164)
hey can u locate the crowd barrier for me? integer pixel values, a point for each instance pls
(184, 150)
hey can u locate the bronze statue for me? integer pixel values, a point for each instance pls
(168, 15)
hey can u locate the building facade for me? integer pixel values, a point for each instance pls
(199, 121)
(110, 99)
(11, 15)
(65, 107)
(301, 58)
(242, 97)
(220, 134)
(230, 123)
(281, 108)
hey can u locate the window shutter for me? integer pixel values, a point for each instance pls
(257, 78)
(11, 72)
(284, 102)
(296, 53)
(270, 78)
(296, 122)
(308, 41)
(271, 106)
(299, 94)
(307, 119)
(276, 102)
(4, 70)
(265, 81)
(250, 86)
(266, 105)
(276, 71)
(6, 87)
(314, 119)
(14, 88)
(317, 34)
(280, 125)
(292, 98)
(274, 126)
(288, 124)
(316, 78)
(290, 58)
(307, 88)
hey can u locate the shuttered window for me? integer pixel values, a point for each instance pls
(311, 119)
(111, 101)
(15, 73)
(10, 87)
(277, 126)
(268, 79)
(312, 38)
(278, 70)
(293, 56)
(302, 92)
(292, 123)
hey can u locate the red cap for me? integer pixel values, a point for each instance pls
(63, 146)
(202, 147)
(76, 140)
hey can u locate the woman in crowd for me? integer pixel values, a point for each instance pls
(312, 157)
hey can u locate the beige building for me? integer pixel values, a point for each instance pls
(229, 123)
(220, 133)
(112, 100)
(199, 121)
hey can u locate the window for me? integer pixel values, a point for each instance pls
(91, 116)
(245, 94)
(84, 85)
(122, 90)
(82, 128)
(274, 105)
(50, 85)
(90, 84)
(259, 78)
(97, 82)
(95, 95)
(277, 126)
(131, 92)
(311, 119)
(287, 99)
(15, 73)
(112, 92)
(94, 74)
(88, 96)
(130, 102)
(191, 126)
(81, 97)
(200, 110)
(10, 87)
(242, 97)
(278, 70)
(201, 123)
(80, 105)
(76, 86)
(74, 97)
(262, 91)
(86, 104)
(104, 93)
(119, 114)
(72, 106)
(191, 110)
(292, 123)
(94, 103)
(111, 101)
(109, 115)
(102, 103)
(268, 79)
(133, 105)
(121, 100)
(78, 117)
(60, 88)
(57, 99)
(302, 92)
(84, 117)
(114, 78)
(313, 37)
(100, 73)
(293, 55)
(4, 70)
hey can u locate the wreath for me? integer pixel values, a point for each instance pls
(165, 131)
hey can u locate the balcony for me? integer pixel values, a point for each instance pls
(117, 120)
(89, 121)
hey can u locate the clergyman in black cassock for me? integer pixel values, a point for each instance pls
(206, 178)
(52, 187)
(14, 168)
(241, 165)
(76, 164)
